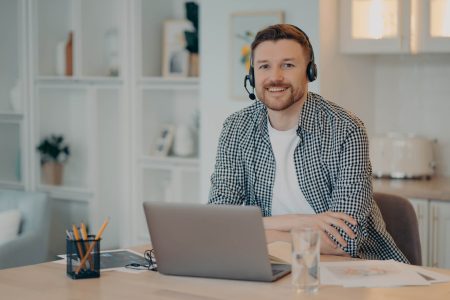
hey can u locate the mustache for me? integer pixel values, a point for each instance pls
(276, 84)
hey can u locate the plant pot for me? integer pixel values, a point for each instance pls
(194, 65)
(52, 173)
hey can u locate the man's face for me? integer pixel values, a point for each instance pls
(280, 73)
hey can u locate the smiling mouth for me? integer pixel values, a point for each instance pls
(276, 89)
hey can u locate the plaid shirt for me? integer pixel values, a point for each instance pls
(332, 165)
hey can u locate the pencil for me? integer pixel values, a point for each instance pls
(85, 237)
(77, 238)
(97, 237)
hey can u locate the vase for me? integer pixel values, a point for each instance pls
(69, 55)
(194, 65)
(52, 173)
(184, 142)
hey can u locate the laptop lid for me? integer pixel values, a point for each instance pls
(218, 241)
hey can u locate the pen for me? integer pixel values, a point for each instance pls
(97, 237)
(85, 237)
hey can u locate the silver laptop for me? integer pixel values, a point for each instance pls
(217, 241)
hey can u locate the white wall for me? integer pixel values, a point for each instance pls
(215, 102)
(344, 79)
(412, 95)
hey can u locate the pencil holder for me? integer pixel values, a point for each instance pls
(83, 258)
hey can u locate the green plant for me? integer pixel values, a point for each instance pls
(53, 148)
(192, 36)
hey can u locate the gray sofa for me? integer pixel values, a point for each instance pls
(31, 246)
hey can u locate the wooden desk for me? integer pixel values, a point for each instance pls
(49, 281)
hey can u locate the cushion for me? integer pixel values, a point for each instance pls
(9, 225)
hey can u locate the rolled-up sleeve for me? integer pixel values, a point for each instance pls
(352, 193)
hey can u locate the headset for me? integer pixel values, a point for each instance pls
(311, 69)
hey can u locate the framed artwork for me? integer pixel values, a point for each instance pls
(164, 140)
(175, 56)
(244, 26)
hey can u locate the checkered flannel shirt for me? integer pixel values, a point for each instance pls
(332, 165)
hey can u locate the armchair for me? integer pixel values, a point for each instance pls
(31, 245)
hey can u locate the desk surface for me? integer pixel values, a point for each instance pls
(49, 281)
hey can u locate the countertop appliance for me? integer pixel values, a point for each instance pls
(396, 155)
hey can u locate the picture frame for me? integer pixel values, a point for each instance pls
(164, 140)
(243, 27)
(175, 62)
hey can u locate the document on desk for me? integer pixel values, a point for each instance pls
(376, 273)
(115, 260)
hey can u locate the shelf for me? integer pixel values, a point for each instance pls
(67, 193)
(10, 117)
(170, 161)
(63, 81)
(6, 184)
(161, 83)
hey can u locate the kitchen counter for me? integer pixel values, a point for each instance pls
(436, 188)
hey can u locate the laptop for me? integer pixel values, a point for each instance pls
(214, 241)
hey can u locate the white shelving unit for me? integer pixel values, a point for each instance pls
(159, 101)
(109, 114)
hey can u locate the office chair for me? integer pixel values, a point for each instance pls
(401, 223)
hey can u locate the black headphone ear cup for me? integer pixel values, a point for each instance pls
(251, 76)
(311, 71)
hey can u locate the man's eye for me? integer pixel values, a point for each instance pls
(263, 67)
(288, 65)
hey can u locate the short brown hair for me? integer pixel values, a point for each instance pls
(283, 32)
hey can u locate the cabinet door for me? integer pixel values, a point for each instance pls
(440, 240)
(433, 26)
(375, 26)
(421, 207)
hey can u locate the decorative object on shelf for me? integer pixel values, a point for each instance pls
(69, 55)
(244, 26)
(192, 38)
(164, 140)
(175, 56)
(112, 51)
(54, 152)
(15, 97)
(184, 144)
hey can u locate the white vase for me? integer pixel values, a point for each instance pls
(15, 97)
(184, 144)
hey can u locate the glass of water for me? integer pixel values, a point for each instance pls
(305, 259)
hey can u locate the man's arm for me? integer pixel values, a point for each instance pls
(278, 228)
(228, 176)
(351, 201)
(352, 191)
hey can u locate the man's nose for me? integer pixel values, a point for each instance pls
(277, 75)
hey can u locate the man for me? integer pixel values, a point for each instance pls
(302, 159)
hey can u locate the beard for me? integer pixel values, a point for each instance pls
(282, 101)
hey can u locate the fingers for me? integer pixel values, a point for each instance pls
(333, 231)
(337, 219)
(327, 241)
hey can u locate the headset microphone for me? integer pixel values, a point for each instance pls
(250, 95)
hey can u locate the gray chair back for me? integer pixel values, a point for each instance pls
(401, 223)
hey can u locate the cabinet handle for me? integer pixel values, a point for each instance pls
(435, 238)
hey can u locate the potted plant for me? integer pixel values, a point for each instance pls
(54, 152)
(192, 38)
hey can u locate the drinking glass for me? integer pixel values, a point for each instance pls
(305, 259)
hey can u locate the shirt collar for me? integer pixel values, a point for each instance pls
(306, 121)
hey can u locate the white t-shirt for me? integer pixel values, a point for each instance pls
(287, 197)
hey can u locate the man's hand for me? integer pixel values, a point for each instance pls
(326, 222)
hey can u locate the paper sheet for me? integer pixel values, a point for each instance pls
(369, 273)
(280, 252)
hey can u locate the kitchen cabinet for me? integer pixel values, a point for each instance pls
(439, 237)
(395, 26)
(421, 207)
